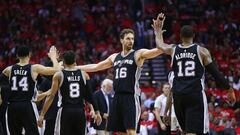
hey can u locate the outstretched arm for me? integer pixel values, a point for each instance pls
(158, 31)
(107, 63)
(149, 54)
(55, 86)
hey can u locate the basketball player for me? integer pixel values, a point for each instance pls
(74, 89)
(127, 65)
(22, 112)
(189, 62)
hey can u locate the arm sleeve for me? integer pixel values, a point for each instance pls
(218, 76)
(88, 95)
(3, 79)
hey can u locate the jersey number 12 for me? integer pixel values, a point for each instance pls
(189, 68)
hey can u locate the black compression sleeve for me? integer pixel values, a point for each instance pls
(218, 76)
(3, 79)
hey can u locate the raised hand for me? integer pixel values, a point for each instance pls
(53, 52)
(158, 24)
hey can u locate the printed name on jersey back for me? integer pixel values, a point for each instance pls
(74, 78)
(120, 62)
(20, 72)
(185, 55)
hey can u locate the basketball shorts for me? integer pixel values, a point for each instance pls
(124, 113)
(192, 112)
(22, 115)
(70, 121)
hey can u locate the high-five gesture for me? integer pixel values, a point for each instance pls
(53, 52)
(158, 24)
(158, 31)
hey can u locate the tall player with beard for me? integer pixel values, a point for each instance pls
(127, 64)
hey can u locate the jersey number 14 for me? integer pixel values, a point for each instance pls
(23, 83)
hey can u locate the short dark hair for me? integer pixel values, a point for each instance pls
(69, 57)
(187, 31)
(23, 51)
(126, 31)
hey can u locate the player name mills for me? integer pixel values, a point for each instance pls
(73, 78)
(185, 55)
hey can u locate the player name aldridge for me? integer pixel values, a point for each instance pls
(185, 55)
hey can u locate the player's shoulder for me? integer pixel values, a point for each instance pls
(200, 45)
(7, 70)
(36, 66)
(113, 56)
(203, 50)
(58, 74)
(85, 75)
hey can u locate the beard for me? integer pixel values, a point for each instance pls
(128, 48)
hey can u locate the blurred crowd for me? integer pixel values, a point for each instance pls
(91, 28)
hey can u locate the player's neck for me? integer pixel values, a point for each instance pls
(70, 67)
(23, 61)
(126, 52)
(187, 43)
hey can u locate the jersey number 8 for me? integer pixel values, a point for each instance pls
(74, 90)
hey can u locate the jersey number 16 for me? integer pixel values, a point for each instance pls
(121, 73)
